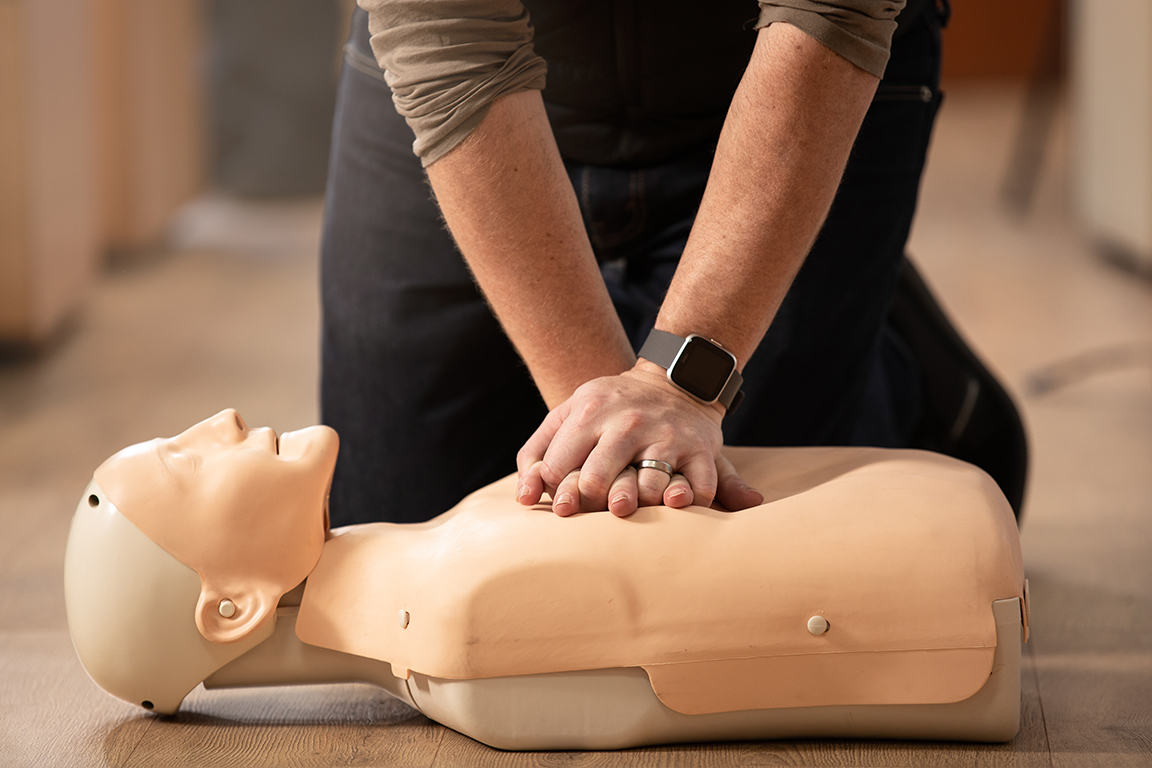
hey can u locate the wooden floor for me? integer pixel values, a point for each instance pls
(229, 317)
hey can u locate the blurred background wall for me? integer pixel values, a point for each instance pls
(1111, 90)
(271, 79)
(114, 113)
(1095, 58)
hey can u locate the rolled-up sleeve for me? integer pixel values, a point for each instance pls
(859, 30)
(447, 61)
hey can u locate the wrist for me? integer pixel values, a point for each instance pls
(658, 376)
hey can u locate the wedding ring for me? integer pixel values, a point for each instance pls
(663, 466)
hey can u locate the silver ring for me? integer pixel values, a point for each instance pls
(663, 466)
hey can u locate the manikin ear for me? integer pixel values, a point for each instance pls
(228, 618)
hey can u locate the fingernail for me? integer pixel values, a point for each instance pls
(563, 500)
(678, 493)
(521, 492)
(619, 498)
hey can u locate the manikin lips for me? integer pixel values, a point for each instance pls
(289, 443)
(268, 434)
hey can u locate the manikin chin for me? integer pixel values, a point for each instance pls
(875, 593)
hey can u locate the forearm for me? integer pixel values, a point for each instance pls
(509, 204)
(778, 163)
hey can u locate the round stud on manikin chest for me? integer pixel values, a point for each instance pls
(227, 608)
(402, 618)
(817, 625)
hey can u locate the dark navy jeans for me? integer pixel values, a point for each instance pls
(429, 397)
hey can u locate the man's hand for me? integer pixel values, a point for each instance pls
(582, 452)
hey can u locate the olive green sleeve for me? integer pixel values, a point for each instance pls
(447, 61)
(859, 30)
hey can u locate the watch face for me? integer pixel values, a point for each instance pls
(702, 368)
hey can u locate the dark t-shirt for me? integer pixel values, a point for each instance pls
(629, 82)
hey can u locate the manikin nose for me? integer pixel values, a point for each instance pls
(228, 422)
(225, 427)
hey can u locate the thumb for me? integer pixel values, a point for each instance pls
(731, 490)
(533, 450)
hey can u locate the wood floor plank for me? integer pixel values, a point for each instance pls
(457, 750)
(350, 725)
(1032, 740)
(52, 714)
(32, 576)
(21, 511)
(1098, 707)
(1076, 616)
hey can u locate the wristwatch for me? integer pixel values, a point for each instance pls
(697, 365)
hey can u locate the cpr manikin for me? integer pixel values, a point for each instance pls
(875, 593)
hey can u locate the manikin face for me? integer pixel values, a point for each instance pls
(221, 458)
(245, 509)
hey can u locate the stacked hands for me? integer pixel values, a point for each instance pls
(584, 454)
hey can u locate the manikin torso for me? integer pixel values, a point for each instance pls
(866, 580)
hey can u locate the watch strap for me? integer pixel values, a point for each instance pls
(661, 347)
(732, 395)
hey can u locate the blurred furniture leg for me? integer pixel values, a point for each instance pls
(48, 214)
(101, 126)
(148, 62)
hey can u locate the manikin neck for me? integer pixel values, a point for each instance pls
(283, 659)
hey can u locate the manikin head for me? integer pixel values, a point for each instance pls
(235, 514)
